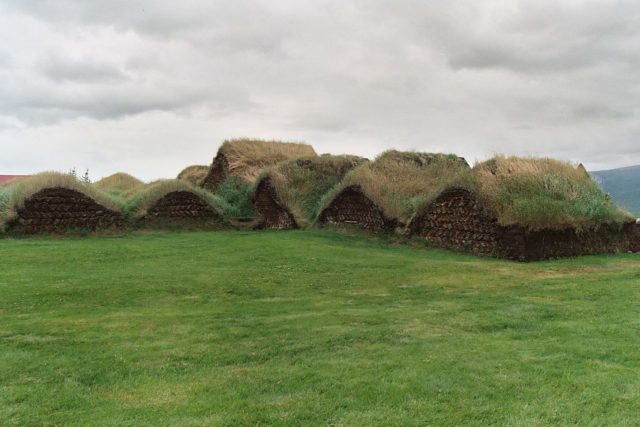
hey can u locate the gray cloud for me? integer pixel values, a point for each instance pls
(65, 69)
(523, 77)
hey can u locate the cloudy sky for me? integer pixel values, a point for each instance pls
(151, 86)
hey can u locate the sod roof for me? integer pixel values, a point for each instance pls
(139, 202)
(543, 193)
(193, 173)
(247, 158)
(119, 182)
(399, 182)
(300, 184)
(14, 195)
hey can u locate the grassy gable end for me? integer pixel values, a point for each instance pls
(299, 185)
(175, 204)
(526, 209)
(398, 182)
(55, 202)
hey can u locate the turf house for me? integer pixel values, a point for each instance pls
(246, 159)
(289, 194)
(56, 203)
(383, 194)
(174, 204)
(526, 209)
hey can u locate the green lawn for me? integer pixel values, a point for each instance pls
(311, 328)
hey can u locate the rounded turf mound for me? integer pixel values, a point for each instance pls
(56, 203)
(526, 209)
(118, 183)
(175, 204)
(289, 195)
(384, 193)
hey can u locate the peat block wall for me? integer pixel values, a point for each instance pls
(543, 244)
(456, 219)
(352, 207)
(217, 174)
(55, 210)
(181, 207)
(274, 215)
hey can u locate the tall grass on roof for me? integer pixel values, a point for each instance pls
(118, 183)
(248, 157)
(138, 203)
(14, 195)
(544, 193)
(194, 173)
(398, 182)
(300, 184)
(236, 194)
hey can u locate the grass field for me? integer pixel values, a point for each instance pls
(310, 328)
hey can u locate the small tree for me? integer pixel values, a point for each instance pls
(85, 178)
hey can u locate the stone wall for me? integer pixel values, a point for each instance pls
(274, 214)
(352, 207)
(57, 210)
(217, 174)
(456, 219)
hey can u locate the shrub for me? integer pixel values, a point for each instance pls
(236, 195)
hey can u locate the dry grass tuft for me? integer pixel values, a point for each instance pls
(300, 184)
(13, 196)
(399, 182)
(194, 173)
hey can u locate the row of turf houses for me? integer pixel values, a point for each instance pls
(59, 203)
(516, 208)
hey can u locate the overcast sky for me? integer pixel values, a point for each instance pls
(149, 87)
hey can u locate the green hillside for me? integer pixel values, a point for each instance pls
(624, 186)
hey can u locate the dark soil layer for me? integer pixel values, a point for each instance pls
(217, 174)
(57, 210)
(274, 215)
(183, 209)
(456, 219)
(352, 207)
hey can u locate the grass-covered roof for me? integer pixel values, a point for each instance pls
(398, 182)
(300, 184)
(543, 193)
(247, 158)
(193, 173)
(118, 183)
(138, 202)
(14, 195)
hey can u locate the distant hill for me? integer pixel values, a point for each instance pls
(624, 186)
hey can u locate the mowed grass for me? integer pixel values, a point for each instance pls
(311, 328)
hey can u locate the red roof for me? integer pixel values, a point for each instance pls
(5, 178)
